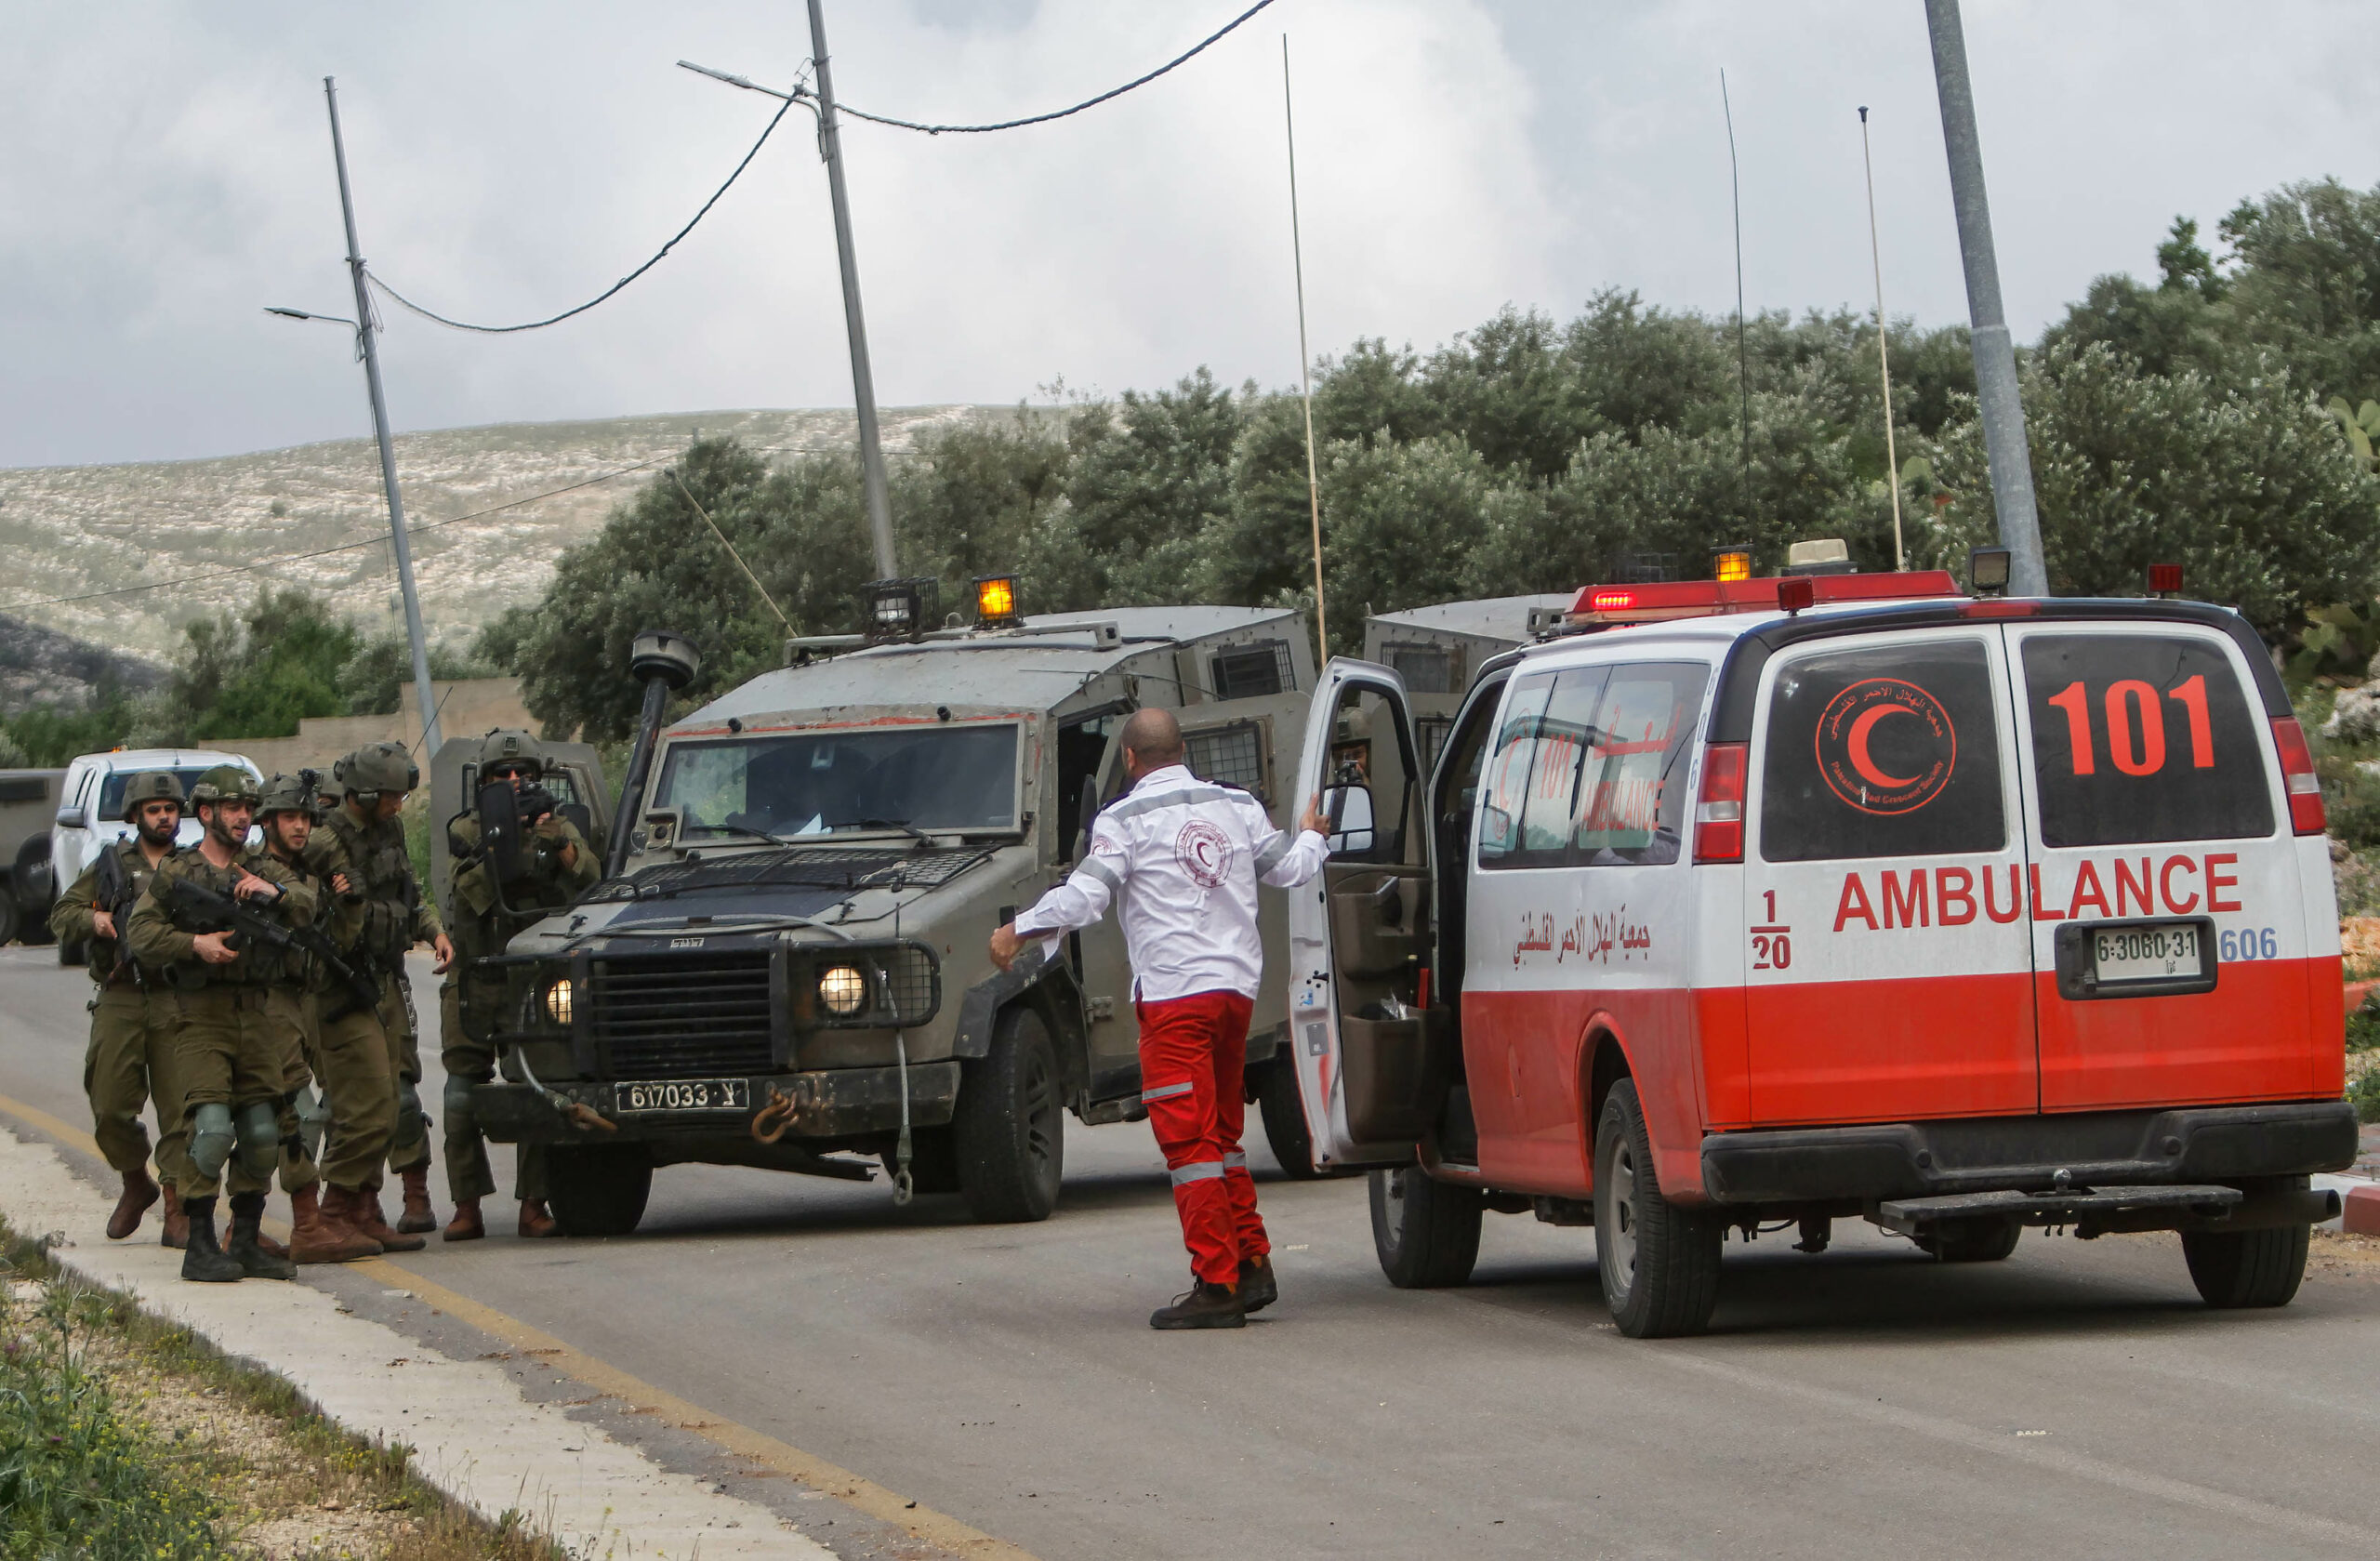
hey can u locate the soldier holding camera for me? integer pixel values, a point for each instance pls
(518, 859)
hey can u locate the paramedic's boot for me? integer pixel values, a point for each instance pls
(177, 1231)
(318, 1235)
(418, 1218)
(536, 1221)
(466, 1226)
(1205, 1305)
(203, 1260)
(247, 1211)
(140, 1192)
(1258, 1288)
(365, 1211)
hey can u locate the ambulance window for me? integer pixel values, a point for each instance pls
(1631, 789)
(1508, 771)
(2142, 737)
(1892, 750)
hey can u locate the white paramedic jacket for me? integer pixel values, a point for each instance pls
(1186, 856)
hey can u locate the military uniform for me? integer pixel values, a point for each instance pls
(227, 1053)
(130, 1059)
(488, 911)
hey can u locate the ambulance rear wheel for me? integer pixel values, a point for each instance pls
(1285, 1131)
(1971, 1240)
(598, 1189)
(1010, 1127)
(1658, 1262)
(2247, 1267)
(1426, 1232)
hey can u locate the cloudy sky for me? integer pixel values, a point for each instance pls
(169, 173)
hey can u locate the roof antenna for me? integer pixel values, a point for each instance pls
(1743, 360)
(1305, 361)
(1883, 358)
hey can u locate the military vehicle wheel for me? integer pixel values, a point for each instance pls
(598, 1189)
(1426, 1232)
(9, 917)
(933, 1161)
(2247, 1267)
(1285, 1131)
(1010, 1128)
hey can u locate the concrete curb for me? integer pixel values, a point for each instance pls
(475, 1437)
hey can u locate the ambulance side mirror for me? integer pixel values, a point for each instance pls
(1349, 809)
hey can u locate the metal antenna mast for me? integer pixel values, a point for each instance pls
(1883, 358)
(403, 546)
(1305, 360)
(1995, 355)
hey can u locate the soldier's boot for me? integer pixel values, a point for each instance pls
(369, 1221)
(248, 1215)
(420, 1218)
(535, 1219)
(140, 1192)
(317, 1233)
(466, 1226)
(204, 1261)
(177, 1231)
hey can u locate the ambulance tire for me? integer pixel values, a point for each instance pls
(1010, 1127)
(2247, 1267)
(1285, 1131)
(1658, 1262)
(598, 1189)
(1975, 1241)
(1425, 1232)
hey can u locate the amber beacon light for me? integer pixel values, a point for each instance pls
(995, 600)
(1731, 563)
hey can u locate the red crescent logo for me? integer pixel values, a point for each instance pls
(1857, 745)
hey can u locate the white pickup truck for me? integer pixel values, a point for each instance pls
(90, 809)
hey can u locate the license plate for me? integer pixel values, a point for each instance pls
(687, 1094)
(2153, 951)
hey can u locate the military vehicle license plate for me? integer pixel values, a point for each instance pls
(687, 1094)
(2152, 952)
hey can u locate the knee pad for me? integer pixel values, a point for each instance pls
(411, 1120)
(313, 1118)
(459, 1105)
(211, 1138)
(258, 1129)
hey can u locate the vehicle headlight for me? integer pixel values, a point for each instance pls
(843, 990)
(558, 998)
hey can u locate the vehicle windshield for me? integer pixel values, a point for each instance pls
(111, 791)
(821, 783)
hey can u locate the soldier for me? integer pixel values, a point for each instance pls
(295, 1006)
(131, 1056)
(214, 923)
(372, 783)
(497, 894)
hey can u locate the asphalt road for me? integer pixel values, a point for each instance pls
(2074, 1401)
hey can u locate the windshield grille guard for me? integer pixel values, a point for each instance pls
(794, 867)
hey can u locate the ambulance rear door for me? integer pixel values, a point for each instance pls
(2176, 959)
(1371, 1069)
(1888, 972)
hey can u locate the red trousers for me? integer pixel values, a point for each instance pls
(1192, 1052)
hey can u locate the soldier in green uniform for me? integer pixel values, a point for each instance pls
(499, 888)
(131, 1056)
(294, 1007)
(372, 783)
(207, 924)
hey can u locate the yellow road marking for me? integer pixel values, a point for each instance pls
(860, 1494)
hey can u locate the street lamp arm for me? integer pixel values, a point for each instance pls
(798, 94)
(303, 314)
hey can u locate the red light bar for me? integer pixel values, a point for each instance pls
(1686, 599)
(1609, 600)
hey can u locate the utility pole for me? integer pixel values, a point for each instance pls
(399, 541)
(871, 449)
(1995, 355)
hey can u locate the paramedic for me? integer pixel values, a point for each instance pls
(1184, 856)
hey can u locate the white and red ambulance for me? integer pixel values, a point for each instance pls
(1834, 896)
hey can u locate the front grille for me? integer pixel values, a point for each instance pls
(682, 1016)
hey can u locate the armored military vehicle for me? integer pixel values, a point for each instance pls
(785, 965)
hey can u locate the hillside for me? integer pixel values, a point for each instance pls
(42, 667)
(76, 532)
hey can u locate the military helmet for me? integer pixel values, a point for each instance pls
(286, 794)
(509, 748)
(225, 783)
(376, 768)
(149, 786)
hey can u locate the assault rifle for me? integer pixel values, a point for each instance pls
(247, 927)
(116, 898)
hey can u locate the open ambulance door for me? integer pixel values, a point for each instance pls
(1369, 1064)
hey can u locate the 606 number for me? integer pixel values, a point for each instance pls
(2250, 942)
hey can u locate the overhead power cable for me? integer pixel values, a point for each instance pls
(281, 558)
(1183, 58)
(557, 319)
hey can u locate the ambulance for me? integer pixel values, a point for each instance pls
(1734, 904)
